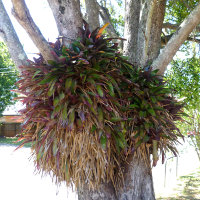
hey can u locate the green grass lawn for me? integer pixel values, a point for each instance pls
(188, 188)
(11, 141)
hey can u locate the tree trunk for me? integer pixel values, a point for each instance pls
(132, 16)
(106, 192)
(92, 14)
(138, 184)
(68, 18)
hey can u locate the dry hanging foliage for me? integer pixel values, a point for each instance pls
(89, 110)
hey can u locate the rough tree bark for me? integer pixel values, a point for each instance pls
(9, 36)
(106, 192)
(92, 13)
(138, 183)
(149, 30)
(132, 16)
(143, 27)
(68, 18)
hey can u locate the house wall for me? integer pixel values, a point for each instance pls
(10, 129)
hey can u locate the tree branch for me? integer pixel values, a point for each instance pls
(132, 16)
(175, 26)
(8, 34)
(144, 31)
(175, 42)
(92, 13)
(22, 14)
(165, 39)
(105, 15)
(156, 30)
(68, 17)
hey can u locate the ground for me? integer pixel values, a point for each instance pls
(180, 180)
(18, 180)
(187, 188)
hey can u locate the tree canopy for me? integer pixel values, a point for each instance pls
(8, 77)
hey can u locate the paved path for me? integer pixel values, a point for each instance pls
(19, 182)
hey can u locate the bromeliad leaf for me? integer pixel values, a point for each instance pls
(103, 141)
(68, 83)
(100, 91)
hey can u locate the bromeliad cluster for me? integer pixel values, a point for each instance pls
(90, 109)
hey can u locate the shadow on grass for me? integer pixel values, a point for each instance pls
(188, 188)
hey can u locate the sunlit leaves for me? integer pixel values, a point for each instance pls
(8, 77)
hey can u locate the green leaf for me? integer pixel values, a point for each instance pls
(51, 87)
(56, 101)
(116, 119)
(146, 138)
(61, 96)
(142, 114)
(57, 108)
(52, 63)
(100, 91)
(68, 83)
(94, 128)
(151, 111)
(103, 141)
(64, 111)
(111, 89)
(35, 74)
(122, 140)
(51, 91)
(138, 143)
(73, 86)
(72, 116)
(100, 114)
(153, 99)
(133, 106)
(112, 80)
(75, 48)
(46, 80)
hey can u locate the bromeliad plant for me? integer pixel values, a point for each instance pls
(90, 109)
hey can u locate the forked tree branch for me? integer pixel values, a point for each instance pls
(177, 40)
(22, 14)
(8, 34)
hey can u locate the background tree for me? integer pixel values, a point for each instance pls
(184, 78)
(8, 77)
(143, 25)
